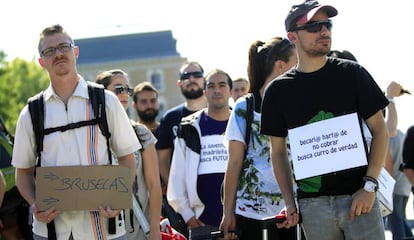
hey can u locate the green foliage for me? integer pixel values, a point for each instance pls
(19, 80)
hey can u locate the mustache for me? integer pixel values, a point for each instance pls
(59, 58)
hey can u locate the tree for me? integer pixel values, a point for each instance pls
(19, 80)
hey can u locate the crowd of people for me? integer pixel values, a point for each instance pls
(234, 153)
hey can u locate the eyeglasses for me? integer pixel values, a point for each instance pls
(314, 27)
(51, 51)
(187, 75)
(120, 89)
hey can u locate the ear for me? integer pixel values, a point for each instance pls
(179, 83)
(278, 68)
(134, 106)
(40, 60)
(76, 49)
(292, 37)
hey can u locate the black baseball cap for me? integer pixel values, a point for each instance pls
(302, 13)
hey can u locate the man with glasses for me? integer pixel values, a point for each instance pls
(191, 83)
(320, 105)
(66, 101)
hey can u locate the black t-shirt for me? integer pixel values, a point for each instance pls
(296, 99)
(167, 131)
(408, 148)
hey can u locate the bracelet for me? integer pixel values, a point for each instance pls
(391, 100)
(371, 179)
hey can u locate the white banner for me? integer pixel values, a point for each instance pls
(327, 146)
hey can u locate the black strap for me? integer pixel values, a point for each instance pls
(97, 98)
(51, 231)
(37, 114)
(71, 126)
(249, 121)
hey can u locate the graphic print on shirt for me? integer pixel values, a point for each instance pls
(258, 195)
(313, 184)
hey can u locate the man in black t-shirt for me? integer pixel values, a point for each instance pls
(321, 104)
(191, 83)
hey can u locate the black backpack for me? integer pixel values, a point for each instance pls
(37, 114)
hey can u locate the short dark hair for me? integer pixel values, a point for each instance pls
(143, 86)
(49, 31)
(219, 71)
(191, 63)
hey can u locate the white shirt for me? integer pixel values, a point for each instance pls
(80, 146)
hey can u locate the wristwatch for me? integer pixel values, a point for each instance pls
(370, 185)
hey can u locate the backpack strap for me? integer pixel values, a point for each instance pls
(37, 114)
(97, 98)
(249, 120)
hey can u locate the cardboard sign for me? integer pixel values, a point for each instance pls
(83, 187)
(327, 146)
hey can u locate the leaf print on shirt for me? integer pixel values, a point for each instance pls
(252, 187)
(313, 184)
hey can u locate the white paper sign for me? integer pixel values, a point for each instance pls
(327, 146)
(213, 156)
(386, 188)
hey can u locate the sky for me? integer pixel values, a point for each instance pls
(218, 33)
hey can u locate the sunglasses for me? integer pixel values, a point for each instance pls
(120, 89)
(187, 75)
(314, 27)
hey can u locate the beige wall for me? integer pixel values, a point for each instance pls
(140, 70)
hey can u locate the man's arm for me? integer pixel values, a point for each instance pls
(25, 182)
(363, 201)
(379, 144)
(164, 158)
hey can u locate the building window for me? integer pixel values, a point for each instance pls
(157, 79)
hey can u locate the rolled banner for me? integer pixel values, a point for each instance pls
(142, 220)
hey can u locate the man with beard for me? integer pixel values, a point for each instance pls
(324, 94)
(145, 102)
(191, 83)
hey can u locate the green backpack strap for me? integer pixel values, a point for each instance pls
(6, 145)
(8, 172)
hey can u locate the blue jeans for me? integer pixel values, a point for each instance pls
(327, 218)
(397, 220)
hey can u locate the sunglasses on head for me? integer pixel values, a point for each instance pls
(187, 75)
(120, 89)
(313, 27)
